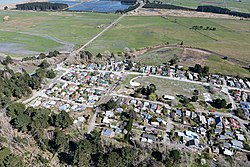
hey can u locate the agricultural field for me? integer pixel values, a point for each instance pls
(231, 37)
(243, 6)
(33, 32)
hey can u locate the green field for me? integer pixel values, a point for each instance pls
(231, 37)
(173, 88)
(243, 6)
(52, 29)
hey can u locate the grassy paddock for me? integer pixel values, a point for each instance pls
(231, 37)
(75, 28)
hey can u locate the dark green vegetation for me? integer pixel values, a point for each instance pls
(241, 5)
(219, 10)
(42, 56)
(83, 151)
(7, 159)
(211, 9)
(41, 6)
(14, 86)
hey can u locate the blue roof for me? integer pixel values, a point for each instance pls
(147, 116)
(245, 105)
(107, 132)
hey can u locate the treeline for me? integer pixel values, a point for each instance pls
(166, 6)
(130, 8)
(128, 1)
(212, 9)
(42, 56)
(219, 10)
(41, 6)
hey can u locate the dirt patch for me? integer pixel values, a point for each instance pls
(16, 49)
(179, 13)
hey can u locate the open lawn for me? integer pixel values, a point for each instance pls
(159, 56)
(243, 6)
(173, 88)
(54, 28)
(231, 37)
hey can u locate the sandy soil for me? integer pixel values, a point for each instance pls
(13, 5)
(179, 13)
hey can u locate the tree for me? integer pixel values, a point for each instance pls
(205, 70)
(219, 103)
(173, 61)
(114, 160)
(196, 92)
(152, 97)
(42, 56)
(175, 155)
(83, 153)
(8, 60)
(194, 98)
(198, 69)
(51, 74)
(44, 64)
(6, 8)
(62, 120)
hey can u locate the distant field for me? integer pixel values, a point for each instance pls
(231, 37)
(73, 28)
(243, 6)
(189, 58)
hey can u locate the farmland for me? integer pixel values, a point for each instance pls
(50, 30)
(142, 31)
(243, 6)
(33, 32)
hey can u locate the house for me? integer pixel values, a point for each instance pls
(118, 131)
(193, 142)
(210, 121)
(237, 144)
(106, 120)
(167, 97)
(178, 113)
(240, 137)
(227, 152)
(245, 105)
(227, 145)
(109, 114)
(188, 113)
(150, 138)
(223, 137)
(194, 115)
(218, 122)
(217, 131)
(202, 119)
(107, 133)
(153, 107)
(191, 134)
(215, 150)
(202, 131)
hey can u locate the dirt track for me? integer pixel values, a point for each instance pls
(179, 13)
